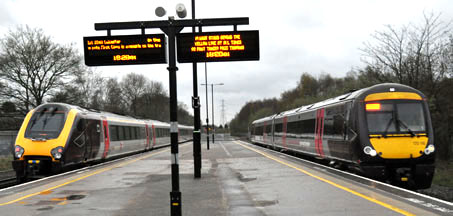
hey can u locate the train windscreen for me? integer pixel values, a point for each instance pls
(46, 123)
(395, 117)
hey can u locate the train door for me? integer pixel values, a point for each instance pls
(285, 123)
(75, 151)
(147, 136)
(319, 131)
(153, 131)
(272, 131)
(106, 138)
(93, 138)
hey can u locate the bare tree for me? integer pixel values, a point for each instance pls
(415, 55)
(31, 66)
(113, 100)
(133, 87)
(87, 89)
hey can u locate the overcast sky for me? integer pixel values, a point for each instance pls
(311, 36)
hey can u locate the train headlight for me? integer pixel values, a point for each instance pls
(369, 151)
(430, 149)
(18, 151)
(57, 152)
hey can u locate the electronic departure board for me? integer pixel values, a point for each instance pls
(218, 46)
(125, 49)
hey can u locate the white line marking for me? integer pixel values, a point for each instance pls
(361, 177)
(226, 151)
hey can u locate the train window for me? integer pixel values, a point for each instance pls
(411, 117)
(269, 128)
(157, 132)
(308, 126)
(120, 133)
(278, 129)
(142, 133)
(338, 125)
(137, 133)
(127, 133)
(328, 126)
(259, 130)
(132, 132)
(382, 121)
(113, 133)
(45, 124)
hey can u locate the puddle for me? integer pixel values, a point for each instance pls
(45, 208)
(245, 179)
(69, 192)
(75, 197)
(263, 203)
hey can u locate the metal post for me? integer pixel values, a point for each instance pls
(207, 108)
(175, 194)
(196, 113)
(212, 101)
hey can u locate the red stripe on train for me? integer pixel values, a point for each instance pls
(319, 131)
(106, 138)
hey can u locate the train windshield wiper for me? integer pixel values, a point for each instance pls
(388, 127)
(407, 127)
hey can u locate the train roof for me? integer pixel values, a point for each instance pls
(357, 94)
(114, 116)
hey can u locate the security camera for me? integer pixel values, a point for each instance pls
(181, 10)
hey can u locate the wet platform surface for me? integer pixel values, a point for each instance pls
(237, 179)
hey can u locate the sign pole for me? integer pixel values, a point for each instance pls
(196, 113)
(175, 194)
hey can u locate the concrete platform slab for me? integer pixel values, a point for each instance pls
(237, 179)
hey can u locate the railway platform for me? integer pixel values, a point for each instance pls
(237, 179)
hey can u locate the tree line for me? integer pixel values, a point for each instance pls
(418, 55)
(34, 70)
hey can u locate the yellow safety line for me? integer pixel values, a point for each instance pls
(331, 183)
(83, 177)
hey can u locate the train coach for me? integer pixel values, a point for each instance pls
(56, 135)
(383, 132)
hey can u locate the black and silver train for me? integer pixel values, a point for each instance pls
(55, 135)
(383, 132)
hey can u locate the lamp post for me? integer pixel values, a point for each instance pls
(212, 99)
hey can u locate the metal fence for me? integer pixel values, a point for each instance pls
(7, 139)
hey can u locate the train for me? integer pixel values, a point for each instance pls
(383, 132)
(55, 136)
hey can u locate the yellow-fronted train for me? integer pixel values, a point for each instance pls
(383, 132)
(55, 136)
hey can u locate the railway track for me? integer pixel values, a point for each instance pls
(7, 178)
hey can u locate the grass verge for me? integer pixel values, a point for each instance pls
(444, 174)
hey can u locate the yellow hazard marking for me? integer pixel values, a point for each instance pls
(330, 182)
(58, 199)
(83, 177)
(45, 192)
(63, 203)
